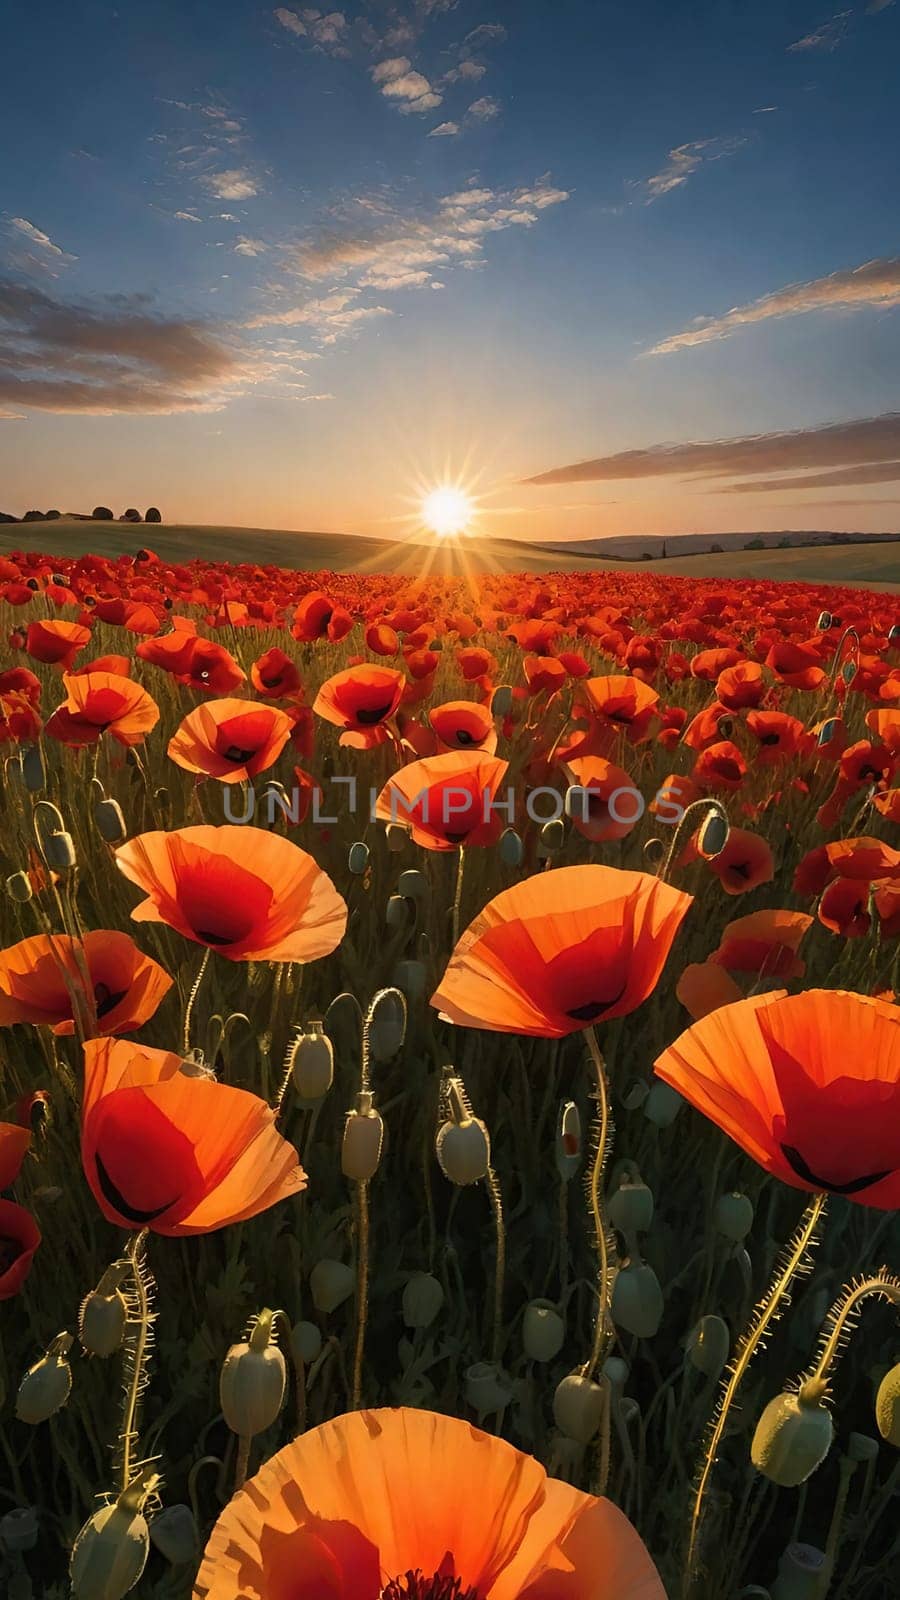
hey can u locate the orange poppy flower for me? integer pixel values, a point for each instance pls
(740, 686)
(246, 893)
(797, 665)
(199, 663)
(561, 950)
(775, 1074)
(38, 977)
(317, 617)
(231, 740)
(103, 702)
(707, 727)
(56, 643)
(885, 724)
(464, 725)
(409, 1505)
(744, 863)
(703, 987)
(20, 720)
(720, 767)
(765, 941)
(778, 736)
(610, 805)
(886, 900)
(865, 762)
(447, 800)
(177, 1154)
(710, 664)
(274, 675)
(617, 704)
(843, 908)
(544, 674)
(360, 700)
(120, 665)
(863, 857)
(19, 1239)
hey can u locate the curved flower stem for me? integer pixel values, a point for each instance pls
(362, 1289)
(136, 1353)
(242, 1461)
(602, 1325)
(766, 1313)
(188, 1010)
(881, 1283)
(457, 898)
(496, 1198)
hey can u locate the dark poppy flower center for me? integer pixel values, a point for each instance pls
(367, 716)
(105, 1000)
(592, 1009)
(10, 1251)
(271, 682)
(463, 736)
(412, 1586)
(116, 1199)
(851, 1186)
(770, 738)
(237, 755)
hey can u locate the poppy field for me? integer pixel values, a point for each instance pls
(449, 1085)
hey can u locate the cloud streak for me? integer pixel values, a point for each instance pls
(869, 472)
(684, 161)
(825, 38)
(874, 283)
(858, 442)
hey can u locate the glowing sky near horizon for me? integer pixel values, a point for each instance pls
(296, 267)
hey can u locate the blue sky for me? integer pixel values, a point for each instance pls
(293, 266)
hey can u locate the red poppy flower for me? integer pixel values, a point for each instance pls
(744, 863)
(120, 665)
(544, 674)
(710, 664)
(843, 908)
(275, 676)
(673, 797)
(618, 705)
(778, 736)
(720, 768)
(764, 942)
(246, 893)
(447, 800)
(232, 740)
(740, 686)
(19, 1239)
(42, 977)
(703, 987)
(179, 1155)
(797, 665)
(609, 805)
(474, 662)
(387, 1504)
(775, 1074)
(20, 720)
(103, 702)
(561, 950)
(381, 639)
(317, 617)
(56, 643)
(884, 723)
(360, 700)
(863, 857)
(865, 762)
(464, 725)
(20, 681)
(200, 663)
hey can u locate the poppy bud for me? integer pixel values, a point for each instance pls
(733, 1216)
(331, 1283)
(862, 1447)
(578, 1407)
(630, 1208)
(396, 912)
(662, 1104)
(174, 1533)
(358, 858)
(501, 700)
(713, 835)
(411, 884)
(635, 1094)
(18, 887)
(252, 1381)
(306, 1342)
(708, 1345)
(887, 1406)
(109, 821)
(33, 769)
(552, 838)
(464, 1151)
(312, 1063)
(362, 1141)
(19, 1529)
(47, 1385)
(568, 1140)
(791, 1440)
(409, 978)
(101, 1322)
(511, 848)
(386, 1024)
(110, 1552)
(396, 836)
(576, 802)
(637, 1300)
(824, 622)
(59, 851)
(894, 634)
(423, 1297)
(799, 1573)
(616, 1370)
(487, 1387)
(543, 1331)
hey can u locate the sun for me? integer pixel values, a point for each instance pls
(447, 511)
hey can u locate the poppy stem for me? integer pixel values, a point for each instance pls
(457, 898)
(765, 1314)
(835, 1330)
(188, 1010)
(602, 1239)
(136, 1349)
(362, 1289)
(496, 1199)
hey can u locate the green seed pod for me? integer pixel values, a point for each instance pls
(252, 1381)
(423, 1297)
(511, 848)
(637, 1300)
(708, 1345)
(18, 887)
(791, 1440)
(312, 1063)
(733, 1216)
(396, 912)
(174, 1533)
(552, 837)
(19, 1529)
(713, 835)
(59, 851)
(410, 977)
(362, 1141)
(33, 769)
(824, 622)
(543, 1331)
(396, 836)
(464, 1151)
(101, 1322)
(887, 1406)
(358, 858)
(578, 1407)
(635, 1093)
(501, 700)
(568, 1140)
(109, 1554)
(109, 821)
(800, 1573)
(386, 1024)
(412, 885)
(862, 1447)
(487, 1387)
(630, 1208)
(662, 1104)
(331, 1283)
(306, 1343)
(47, 1385)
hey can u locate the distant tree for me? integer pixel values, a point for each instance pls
(783, 544)
(131, 515)
(101, 514)
(7, 516)
(52, 516)
(647, 555)
(755, 544)
(664, 550)
(33, 516)
(716, 550)
(153, 515)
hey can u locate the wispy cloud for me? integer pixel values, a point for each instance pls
(37, 236)
(827, 37)
(875, 283)
(327, 31)
(186, 216)
(861, 441)
(869, 472)
(410, 89)
(249, 247)
(485, 109)
(444, 130)
(234, 184)
(685, 160)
